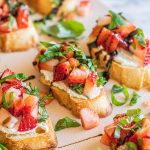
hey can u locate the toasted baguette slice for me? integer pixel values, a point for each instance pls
(30, 141)
(19, 40)
(100, 104)
(133, 77)
(43, 7)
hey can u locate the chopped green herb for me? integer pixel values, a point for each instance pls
(64, 30)
(101, 79)
(125, 93)
(77, 88)
(19, 76)
(32, 91)
(13, 6)
(116, 88)
(116, 20)
(140, 37)
(134, 99)
(11, 98)
(66, 123)
(11, 22)
(132, 112)
(130, 146)
(3, 147)
(117, 132)
(56, 2)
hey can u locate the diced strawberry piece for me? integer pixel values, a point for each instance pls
(69, 54)
(83, 7)
(22, 17)
(110, 129)
(147, 56)
(61, 71)
(18, 107)
(1, 93)
(125, 30)
(27, 123)
(145, 144)
(74, 62)
(89, 118)
(105, 139)
(103, 36)
(112, 42)
(65, 48)
(90, 84)
(49, 65)
(6, 73)
(77, 76)
(34, 112)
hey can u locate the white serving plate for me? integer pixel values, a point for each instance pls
(73, 138)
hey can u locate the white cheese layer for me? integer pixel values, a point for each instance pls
(49, 76)
(127, 59)
(61, 85)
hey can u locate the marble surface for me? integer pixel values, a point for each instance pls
(138, 11)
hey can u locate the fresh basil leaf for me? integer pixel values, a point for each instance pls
(42, 111)
(46, 44)
(116, 20)
(19, 76)
(11, 22)
(77, 88)
(131, 146)
(65, 29)
(3, 147)
(134, 99)
(32, 91)
(66, 123)
(125, 92)
(117, 132)
(132, 112)
(101, 79)
(116, 88)
(56, 2)
(13, 6)
(11, 98)
(140, 37)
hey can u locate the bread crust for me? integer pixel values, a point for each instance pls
(30, 141)
(19, 40)
(43, 7)
(100, 104)
(133, 77)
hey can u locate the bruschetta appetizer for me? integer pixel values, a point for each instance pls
(16, 31)
(24, 121)
(122, 49)
(61, 8)
(72, 78)
(128, 131)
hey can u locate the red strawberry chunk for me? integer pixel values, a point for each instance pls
(89, 118)
(103, 36)
(61, 71)
(77, 76)
(6, 73)
(27, 123)
(147, 57)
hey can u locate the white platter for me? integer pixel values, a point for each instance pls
(74, 138)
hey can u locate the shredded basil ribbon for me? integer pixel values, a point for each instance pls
(11, 98)
(19, 76)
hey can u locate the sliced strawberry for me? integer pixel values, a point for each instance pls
(110, 129)
(49, 65)
(77, 76)
(103, 36)
(89, 118)
(83, 7)
(147, 56)
(65, 48)
(6, 73)
(125, 30)
(27, 123)
(74, 62)
(105, 139)
(18, 107)
(61, 71)
(22, 17)
(90, 84)
(112, 42)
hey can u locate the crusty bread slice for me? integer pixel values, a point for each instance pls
(133, 77)
(43, 7)
(19, 40)
(100, 104)
(31, 141)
